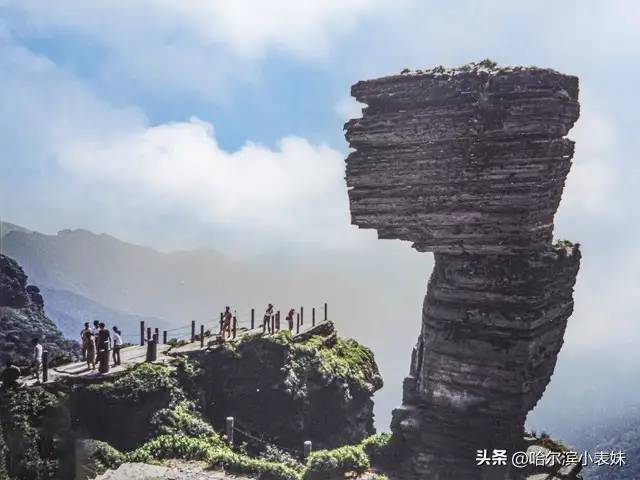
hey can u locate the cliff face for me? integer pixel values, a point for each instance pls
(314, 386)
(22, 319)
(470, 164)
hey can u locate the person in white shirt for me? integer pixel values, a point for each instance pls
(37, 358)
(117, 343)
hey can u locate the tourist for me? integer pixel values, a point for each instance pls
(91, 351)
(266, 324)
(10, 375)
(226, 322)
(103, 340)
(103, 346)
(290, 316)
(84, 334)
(117, 343)
(37, 358)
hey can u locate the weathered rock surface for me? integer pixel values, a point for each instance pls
(22, 319)
(287, 390)
(462, 161)
(470, 164)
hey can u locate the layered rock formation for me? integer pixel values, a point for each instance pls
(22, 319)
(470, 164)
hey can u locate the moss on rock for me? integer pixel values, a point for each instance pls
(289, 389)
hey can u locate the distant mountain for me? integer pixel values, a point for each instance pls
(69, 311)
(85, 275)
(619, 433)
(22, 319)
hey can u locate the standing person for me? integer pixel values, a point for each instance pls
(103, 347)
(96, 327)
(10, 375)
(91, 351)
(266, 323)
(84, 334)
(226, 322)
(290, 316)
(117, 343)
(37, 358)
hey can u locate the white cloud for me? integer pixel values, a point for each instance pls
(201, 47)
(296, 189)
(76, 160)
(590, 188)
(347, 108)
(304, 27)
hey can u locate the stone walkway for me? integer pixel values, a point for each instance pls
(173, 470)
(138, 353)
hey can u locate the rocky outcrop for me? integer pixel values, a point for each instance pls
(470, 164)
(22, 319)
(286, 390)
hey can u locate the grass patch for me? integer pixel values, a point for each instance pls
(136, 382)
(328, 464)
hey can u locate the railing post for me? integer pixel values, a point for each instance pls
(193, 331)
(201, 336)
(235, 326)
(313, 316)
(278, 320)
(307, 448)
(273, 324)
(253, 318)
(222, 324)
(164, 337)
(298, 323)
(301, 315)
(230, 430)
(45, 366)
(152, 350)
(325, 312)
(148, 333)
(157, 332)
(141, 332)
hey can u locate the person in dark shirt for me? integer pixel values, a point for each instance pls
(290, 316)
(103, 341)
(266, 323)
(103, 345)
(226, 322)
(10, 375)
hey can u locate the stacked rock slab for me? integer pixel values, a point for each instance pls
(470, 164)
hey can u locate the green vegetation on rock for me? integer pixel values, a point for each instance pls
(32, 422)
(327, 464)
(181, 418)
(137, 382)
(213, 451)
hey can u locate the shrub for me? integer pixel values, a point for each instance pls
(274, 454)
(263, 469)
(331, 464)
(377, 448)
(176, 446)
(31, 418)
(213, 450)
(136, 382)
(181, 419)
(104, 457)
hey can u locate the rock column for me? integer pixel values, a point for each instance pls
(470, 164)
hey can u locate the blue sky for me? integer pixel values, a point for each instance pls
(223, 120)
